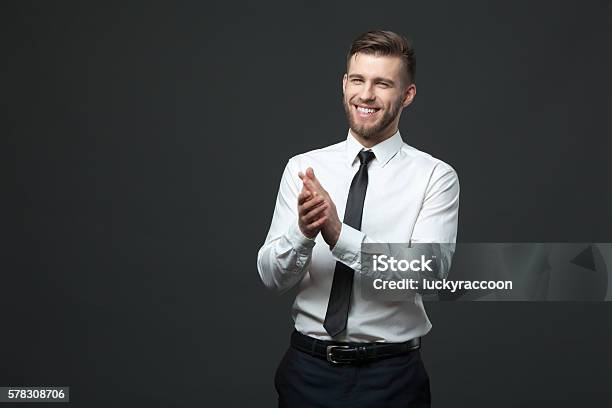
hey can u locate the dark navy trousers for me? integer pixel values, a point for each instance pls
(302, 380)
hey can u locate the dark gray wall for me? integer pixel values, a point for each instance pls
(144, 146)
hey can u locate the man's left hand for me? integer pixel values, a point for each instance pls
(333, 225)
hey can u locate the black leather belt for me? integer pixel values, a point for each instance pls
(337, 353)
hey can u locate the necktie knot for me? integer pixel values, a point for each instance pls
(366, 156)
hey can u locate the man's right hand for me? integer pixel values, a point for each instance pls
(311, 213)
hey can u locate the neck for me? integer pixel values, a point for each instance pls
(374, 140)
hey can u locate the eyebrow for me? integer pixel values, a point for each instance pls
(376, 79)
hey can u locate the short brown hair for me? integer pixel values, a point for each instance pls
(386, 43)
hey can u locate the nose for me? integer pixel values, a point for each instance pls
(367, 93)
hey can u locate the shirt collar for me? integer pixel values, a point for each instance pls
(383, 151)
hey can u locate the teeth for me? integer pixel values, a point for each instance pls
(365, 110)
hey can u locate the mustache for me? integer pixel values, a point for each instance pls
(364, 104)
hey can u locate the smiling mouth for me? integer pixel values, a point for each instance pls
(365, 111)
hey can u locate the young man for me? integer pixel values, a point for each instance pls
(348, 350)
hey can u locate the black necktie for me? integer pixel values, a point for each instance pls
(342, 285)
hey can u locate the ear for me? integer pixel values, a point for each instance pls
(344, 79)
(409, 95)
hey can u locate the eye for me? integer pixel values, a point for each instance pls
(356, 81)
(383, 84)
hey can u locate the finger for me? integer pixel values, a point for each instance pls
(304, 175)
(313, 186)
(309, 172)
(304, 196)
(310, 204)
(313, 202)
(311, 176)
(313, 214)
(309, 187)
(317, 224)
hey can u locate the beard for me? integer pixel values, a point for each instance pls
(372, 131)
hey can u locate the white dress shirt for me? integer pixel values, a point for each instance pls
(411, 197)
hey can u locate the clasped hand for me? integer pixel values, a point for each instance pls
(316, 210)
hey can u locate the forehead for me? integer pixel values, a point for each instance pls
(370, 65)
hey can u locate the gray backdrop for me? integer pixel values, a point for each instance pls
(145, 144)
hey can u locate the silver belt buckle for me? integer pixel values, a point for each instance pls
(330, 357)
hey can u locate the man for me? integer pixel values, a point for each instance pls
(348, 350)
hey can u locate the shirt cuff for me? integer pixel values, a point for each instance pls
(348, 248)
(301, 243)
